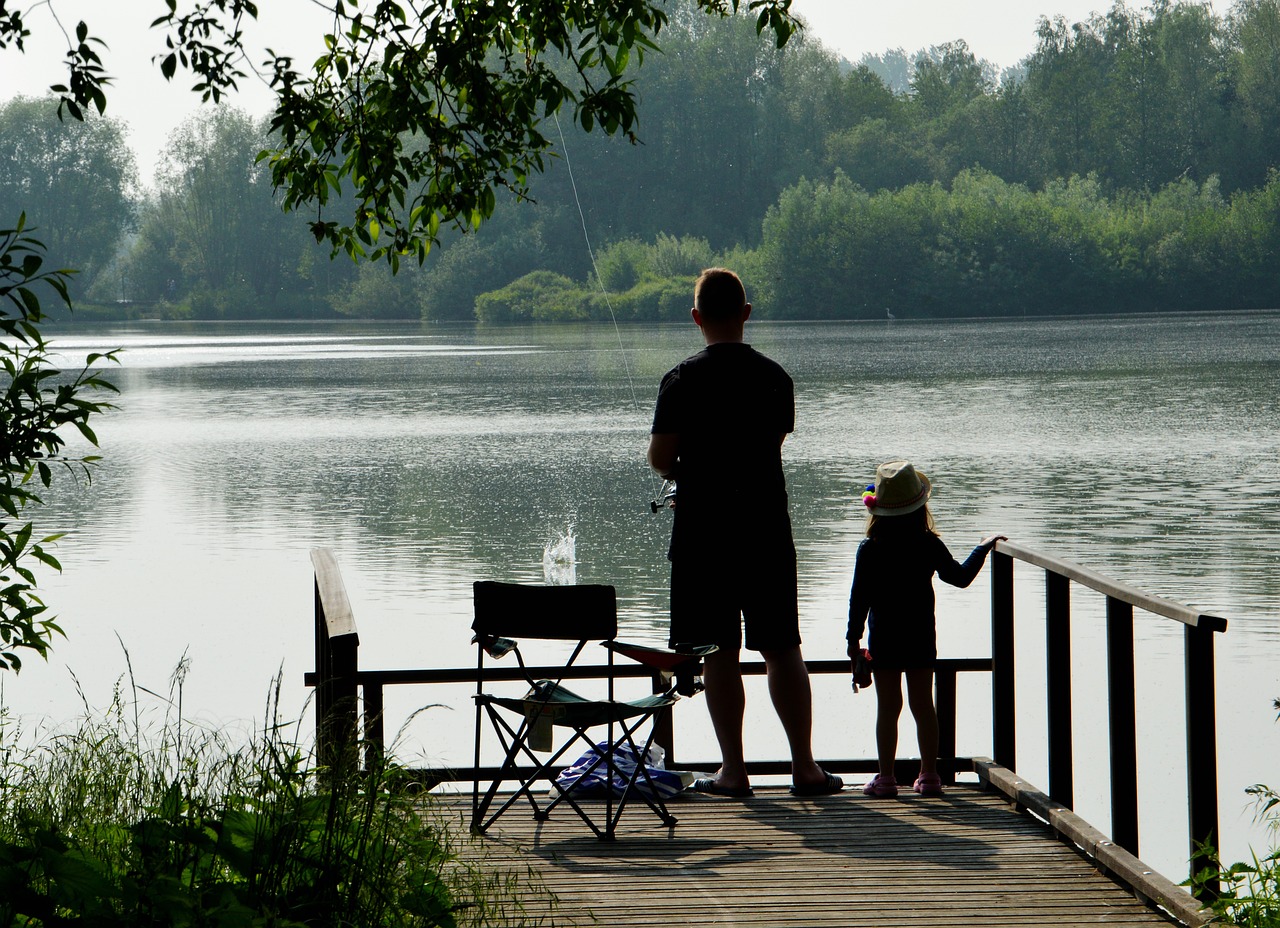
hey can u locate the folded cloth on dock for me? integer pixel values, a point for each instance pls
(590, 770)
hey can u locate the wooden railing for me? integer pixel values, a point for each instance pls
(338, 679)
(1199, 683)
(340, 726)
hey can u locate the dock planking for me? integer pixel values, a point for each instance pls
(968, 857)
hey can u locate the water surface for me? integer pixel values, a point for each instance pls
(429, 457)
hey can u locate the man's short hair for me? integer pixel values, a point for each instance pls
(719, 295)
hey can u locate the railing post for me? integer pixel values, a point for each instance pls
(337, 667)
(1122, 713)
(1058, 661)
(1202, 749)
(663, 724)
(945, 699)
(336, 744)
(1004, 746)
(374, 735)
(324, 698)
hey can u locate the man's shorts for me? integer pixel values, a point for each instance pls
(712, 602)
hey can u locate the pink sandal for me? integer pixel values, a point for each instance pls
(882, 786)
(928, 784)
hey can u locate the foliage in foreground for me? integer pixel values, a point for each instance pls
(128, 822)
(1249, 891)
(38, 402)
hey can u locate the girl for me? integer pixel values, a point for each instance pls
(893, 581)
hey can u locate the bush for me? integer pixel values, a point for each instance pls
(620, 266)
(375, 293)
(543, 296)
(114, 825)
(1248, 893)
(39, 404)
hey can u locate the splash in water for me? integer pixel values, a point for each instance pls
(559, 562)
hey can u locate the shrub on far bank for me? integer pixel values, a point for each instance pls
(541, 296)
(654, 300)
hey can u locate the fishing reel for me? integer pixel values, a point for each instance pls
(666, 498)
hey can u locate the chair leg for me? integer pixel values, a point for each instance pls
(636, 782)
(652, 798)
(513, 743)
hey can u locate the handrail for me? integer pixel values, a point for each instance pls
(331, 593)
(1114, 588)
(1121, 600)
(372, 683)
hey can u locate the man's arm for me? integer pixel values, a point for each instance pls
(664, 452)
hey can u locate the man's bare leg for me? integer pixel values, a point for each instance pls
(793, 701)
(726, 703)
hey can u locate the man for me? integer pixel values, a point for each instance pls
(718, 429)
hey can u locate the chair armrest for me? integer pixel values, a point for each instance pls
(494, 646)
(684, 662)
(666, 659)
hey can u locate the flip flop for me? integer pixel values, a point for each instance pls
(710, 787)
(832, 784)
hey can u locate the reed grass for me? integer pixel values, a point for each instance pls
(137, 816)
(1248, 892)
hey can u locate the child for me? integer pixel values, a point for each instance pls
(893, 581)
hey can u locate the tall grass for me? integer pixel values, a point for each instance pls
(139, 817)
(1249, 891)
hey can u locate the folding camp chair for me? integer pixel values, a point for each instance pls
(579, 614)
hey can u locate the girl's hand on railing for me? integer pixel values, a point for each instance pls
(990, 541)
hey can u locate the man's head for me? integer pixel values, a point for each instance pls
(720, 306)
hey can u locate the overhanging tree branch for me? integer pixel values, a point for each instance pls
(419, 111)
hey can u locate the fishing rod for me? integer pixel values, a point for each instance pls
(665, 496)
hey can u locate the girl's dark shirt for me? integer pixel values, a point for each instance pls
(893, 585)
(730, 406)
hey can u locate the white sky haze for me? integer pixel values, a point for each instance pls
(1002, 31)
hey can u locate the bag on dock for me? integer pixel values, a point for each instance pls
(665, 782)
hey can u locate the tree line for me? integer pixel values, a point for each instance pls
(1127, 164)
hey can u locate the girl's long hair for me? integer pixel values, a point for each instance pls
(885, 526)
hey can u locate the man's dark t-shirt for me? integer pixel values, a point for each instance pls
(731, 406)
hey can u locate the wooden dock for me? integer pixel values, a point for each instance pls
(969, 857)
(1002, 853)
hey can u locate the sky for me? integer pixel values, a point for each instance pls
(1001, 31)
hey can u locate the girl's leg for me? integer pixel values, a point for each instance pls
(920, 699)
(888, 708)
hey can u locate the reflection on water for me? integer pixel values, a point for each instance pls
(429, 457)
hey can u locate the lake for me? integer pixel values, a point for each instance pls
(428, 457)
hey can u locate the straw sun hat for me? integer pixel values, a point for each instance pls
(898, 490)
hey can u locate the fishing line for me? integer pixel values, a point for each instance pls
(622, 351)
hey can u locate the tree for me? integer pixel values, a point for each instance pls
(74, 180)
(234, 250)
(949, 76)
(469, 82)
(38, 403)
(893, 68)
(1254, 27)
(1069, 75)
(876, 156)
